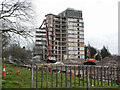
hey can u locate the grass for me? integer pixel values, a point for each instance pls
(11, 80)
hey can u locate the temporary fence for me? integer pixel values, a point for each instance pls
(75, 76)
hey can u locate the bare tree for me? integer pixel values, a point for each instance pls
(15, 17)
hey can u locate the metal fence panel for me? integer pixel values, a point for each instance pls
(59, 76)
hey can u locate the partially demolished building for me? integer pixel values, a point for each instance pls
(66, 36)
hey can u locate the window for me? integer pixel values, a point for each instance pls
(80, 28)
(81, 48)
(72, 31)
(52, 47)
(40, 33)
(72, 48)
(73, 52)
(81, 52)
(72, 44)
(70, 23)
(56, 18)
(82, 24)
(52, 51)
(72, 40)
(75, 36)
(82, 56)
(70, 27)
(56, 52)
(58, 39)
(52, 42)
(56, 56)
(81, 36)
(70, 19)
(81, 32)
(57, 26)
(81, 40)
(40, 38)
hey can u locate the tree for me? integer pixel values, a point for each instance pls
(85, 50)
(92, 50)
(105, 52)
(18, 53)
(15, 16)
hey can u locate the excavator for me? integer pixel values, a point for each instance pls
(91, 61)
(50, 58)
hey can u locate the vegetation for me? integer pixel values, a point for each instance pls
(11, 80)
(105, 52)
(15, 52)
(16, 18)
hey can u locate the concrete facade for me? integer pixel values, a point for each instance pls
(66, 36)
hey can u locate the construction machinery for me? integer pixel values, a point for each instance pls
(50, 58)
(91, 61)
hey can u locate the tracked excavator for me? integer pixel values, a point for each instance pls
(50, 58)
(91, 61)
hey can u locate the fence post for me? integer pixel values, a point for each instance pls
(61, 76)
(101, 77)
(70, 77)
(36, 75)
(91, 76)
(108, 75)
(66, 75)
(97, 76)
(79, 74)
(94, 77)
(118, 75)
(31, 75)
(42, 76)
(87, 77)
(47, 74)
(56, 76)
(52, 77)
(105, 75)
(75, 75)
(114, 76)
(83, 74)
(111, 76)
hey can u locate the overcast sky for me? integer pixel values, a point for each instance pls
(100, 19)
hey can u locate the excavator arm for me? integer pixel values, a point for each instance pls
(48, 46)
(98, 53)
(49, 58)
